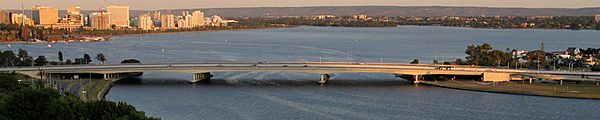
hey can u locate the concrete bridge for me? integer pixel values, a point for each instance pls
(202, 71)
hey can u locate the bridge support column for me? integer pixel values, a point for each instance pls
(324, 78)
(417, 79)
(201, 77)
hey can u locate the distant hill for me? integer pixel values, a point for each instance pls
(383, 11)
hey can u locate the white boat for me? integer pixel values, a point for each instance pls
(9, 46)
(49, 45)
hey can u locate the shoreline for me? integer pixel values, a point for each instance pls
(219, 30)
(510, 92)
(156, 33)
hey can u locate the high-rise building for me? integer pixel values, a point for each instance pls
(5, 17)
(74, 10)
(100, 21)
(181, 23)
(197, 19)
(120, 15)
(145, 22)
(20, 19)
(44, 16)
(167, 21)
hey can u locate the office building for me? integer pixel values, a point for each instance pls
(120, 15)
(44, 16)
(100, 21)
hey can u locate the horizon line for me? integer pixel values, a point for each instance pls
(241, 7)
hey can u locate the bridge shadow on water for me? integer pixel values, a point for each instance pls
(255, 82)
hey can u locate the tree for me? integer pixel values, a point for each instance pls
(596, 68)
(86, 59)
(60, 56)
(69, 62)
(79, 61)
(100, 57)
(128, 61)
(498, 57)
(477, 54)
(8, 59)
(537, 59)
(25, 59)
(416, 61)
(41, 61)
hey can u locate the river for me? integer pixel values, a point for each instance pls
(267, 95)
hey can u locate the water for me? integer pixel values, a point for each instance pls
(268, 95)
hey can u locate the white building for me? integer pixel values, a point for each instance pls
(197, 19)
(20, 19)
(167, 21)
(145, 22)
(598, 18)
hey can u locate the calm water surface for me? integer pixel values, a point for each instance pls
(268, 95)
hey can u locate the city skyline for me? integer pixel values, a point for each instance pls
(183, 4)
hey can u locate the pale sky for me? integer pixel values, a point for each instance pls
(182, 4)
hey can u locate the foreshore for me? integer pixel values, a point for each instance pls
(575, 91)
(148, 33)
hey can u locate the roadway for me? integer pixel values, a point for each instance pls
(303, 67)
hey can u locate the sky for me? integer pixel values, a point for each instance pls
(183, 4)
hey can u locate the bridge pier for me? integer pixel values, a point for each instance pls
(324, 78)
(111, 76)
(201, 77)
(417, 79)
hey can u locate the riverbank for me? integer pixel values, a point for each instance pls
(577, 91)
(113, 33)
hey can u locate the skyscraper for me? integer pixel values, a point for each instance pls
(100, 21)
(145, 22)
(167, 21)
(45, 16)
(197, 19)
(120, 15)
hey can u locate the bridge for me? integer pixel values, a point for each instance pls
(202, 71)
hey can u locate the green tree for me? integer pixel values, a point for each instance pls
(415, 61)
(477, 54)
(60, 56)
(596, 68)
(100, 57)
(86, 59)
(25, 59)
(69, 62)
(128, 61)
(498, 57)
(8, 59)
(537, 59)
(41, 61)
